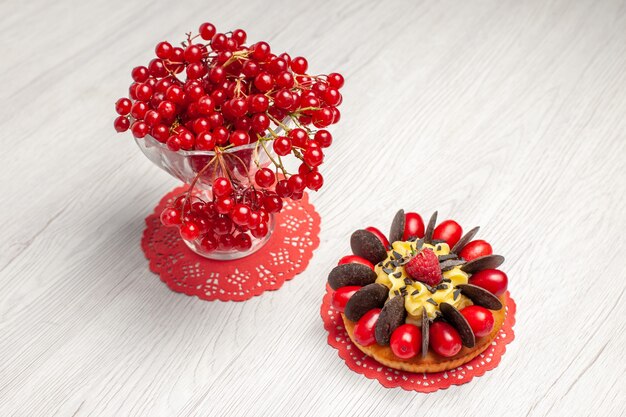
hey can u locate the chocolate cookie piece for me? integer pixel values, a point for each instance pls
(480, 296)
(456, 319)
(428, 234)
(392, 316)
(467, 237)
(425, 327)
(397, 227)
(351, 274)
(484, 262)
(369, 297)
(366, 245)
(450, 264)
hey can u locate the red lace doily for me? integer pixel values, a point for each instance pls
(286, 254)
(420, 382)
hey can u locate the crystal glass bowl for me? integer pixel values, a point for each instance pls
(242, 162)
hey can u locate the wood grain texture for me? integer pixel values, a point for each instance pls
(505, 114)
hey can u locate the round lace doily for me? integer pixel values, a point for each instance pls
(420, 382)
(286, 254)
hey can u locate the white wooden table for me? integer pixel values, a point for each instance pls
(505, 114)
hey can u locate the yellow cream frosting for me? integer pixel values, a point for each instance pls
(414, 301)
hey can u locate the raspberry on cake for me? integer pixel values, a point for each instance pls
(423, 306)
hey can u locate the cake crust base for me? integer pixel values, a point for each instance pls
(432, 362)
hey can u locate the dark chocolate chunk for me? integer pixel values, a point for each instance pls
(480, 296)
(433, 302)
(450, 264)
(428, 234)
(396, 255)
(369, 297)
(350, 274)
(443, 258)
(456, 319)
(465, 240)
(455, 293)
(425, 327)
(391, 316)
(366, 245)
(397, 227)
(484, 262)
(388, 271)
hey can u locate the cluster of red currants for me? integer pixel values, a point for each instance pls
(223, 223)
(213, 93)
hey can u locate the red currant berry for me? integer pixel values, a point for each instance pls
(314, 181)
(139, 129)
(365, 328)
(285, 79)
(283, 99)
(207, 30)
(121, 123)
(444, 339)
(224, 205)
(261, 231)
(240, 214)
(175, 94)
(406, 341)
(475, 249)
(282, 189)
(299, 65)
(221, 135)
(342, 295)
(195, 71)
(448, 230)
(187, 139)
(217, 75)
(259, 123)
(335, 80)
(323, 138)
(218, 42)
(163, 50)
(276, 66)
(298, 138)
(223, 225)
(170, 217)
(322, 117)
(227, 242)
(157, 68)
(260, 51)
(123, 106)
(282, 146)
(264, 178)
(297, 183)
(160, 132)
(263, 82)
(222, 187)
(173, 143)
(167, 109)
(272, 203)
(140, 74)
(239, 36)
(313, 157)
(493, 280)
(152, 117)
(239, 138)
(209, 243)
(189, 231)
(243, 242)
(205, 142)
(193, 53)
(480, 320)
(139, 109)
(332, 97)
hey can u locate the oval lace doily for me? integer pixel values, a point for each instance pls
(286, 254)
(420, 382)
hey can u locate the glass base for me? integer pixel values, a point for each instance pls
(230, 255)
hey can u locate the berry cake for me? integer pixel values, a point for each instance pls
(428, 299)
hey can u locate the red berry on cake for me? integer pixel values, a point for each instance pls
(424, 267)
